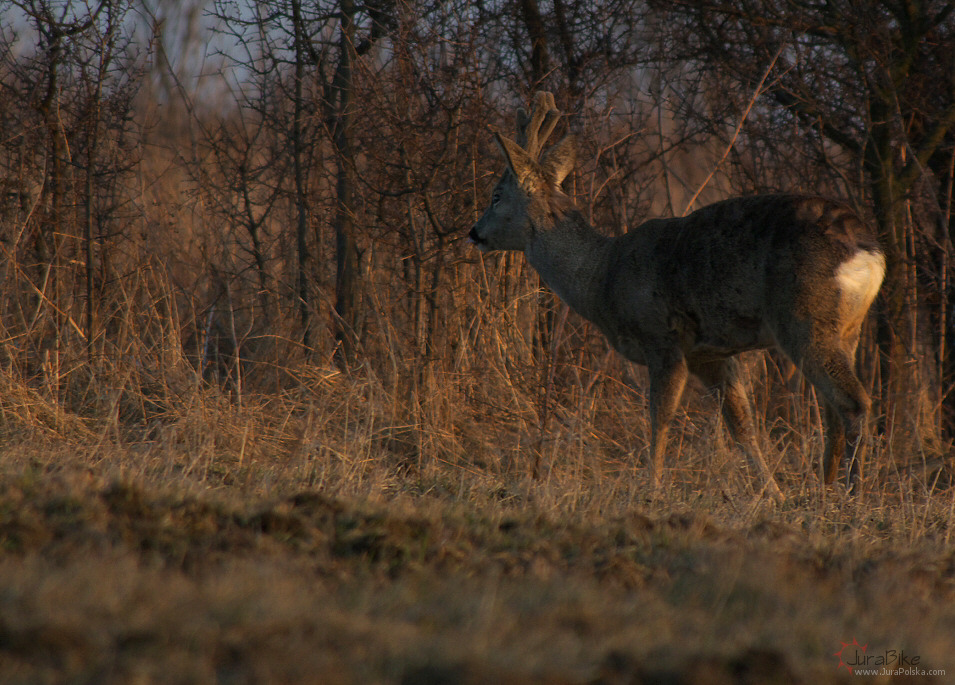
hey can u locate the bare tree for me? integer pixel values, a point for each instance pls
(79, 85)
(307, 52)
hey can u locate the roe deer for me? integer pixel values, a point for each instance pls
(685, 295)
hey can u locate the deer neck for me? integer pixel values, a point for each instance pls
(570, 257)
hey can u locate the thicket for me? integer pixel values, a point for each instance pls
(265, 197)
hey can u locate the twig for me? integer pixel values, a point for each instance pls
(752, 101)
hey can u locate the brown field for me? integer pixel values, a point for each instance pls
(303, 538)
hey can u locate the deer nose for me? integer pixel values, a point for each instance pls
(473, 236)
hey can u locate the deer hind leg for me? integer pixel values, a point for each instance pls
(835, 443)
(829, 369)
(724, 376)
(667, 380)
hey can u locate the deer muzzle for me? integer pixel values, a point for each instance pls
(475, 239)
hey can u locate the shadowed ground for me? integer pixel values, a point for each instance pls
(108, 580)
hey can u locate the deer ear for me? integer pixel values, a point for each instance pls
(519, 161)
(559, 160)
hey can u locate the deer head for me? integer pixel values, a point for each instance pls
(527, 198)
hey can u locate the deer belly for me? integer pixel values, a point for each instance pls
(731, 334)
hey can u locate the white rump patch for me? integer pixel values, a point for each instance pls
(860, 277)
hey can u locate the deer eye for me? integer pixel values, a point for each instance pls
(496, 197)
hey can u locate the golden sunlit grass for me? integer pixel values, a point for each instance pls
(337, 532)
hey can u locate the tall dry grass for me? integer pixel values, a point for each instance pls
(564, 432)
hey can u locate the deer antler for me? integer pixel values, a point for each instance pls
(534, 129)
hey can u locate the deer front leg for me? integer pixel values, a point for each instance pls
(667, 380)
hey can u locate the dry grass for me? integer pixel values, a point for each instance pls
(338, 532)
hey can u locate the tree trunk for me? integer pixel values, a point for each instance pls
(346, 253)
(897, 335)
(298, 151)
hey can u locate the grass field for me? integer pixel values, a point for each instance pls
(307, 537)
